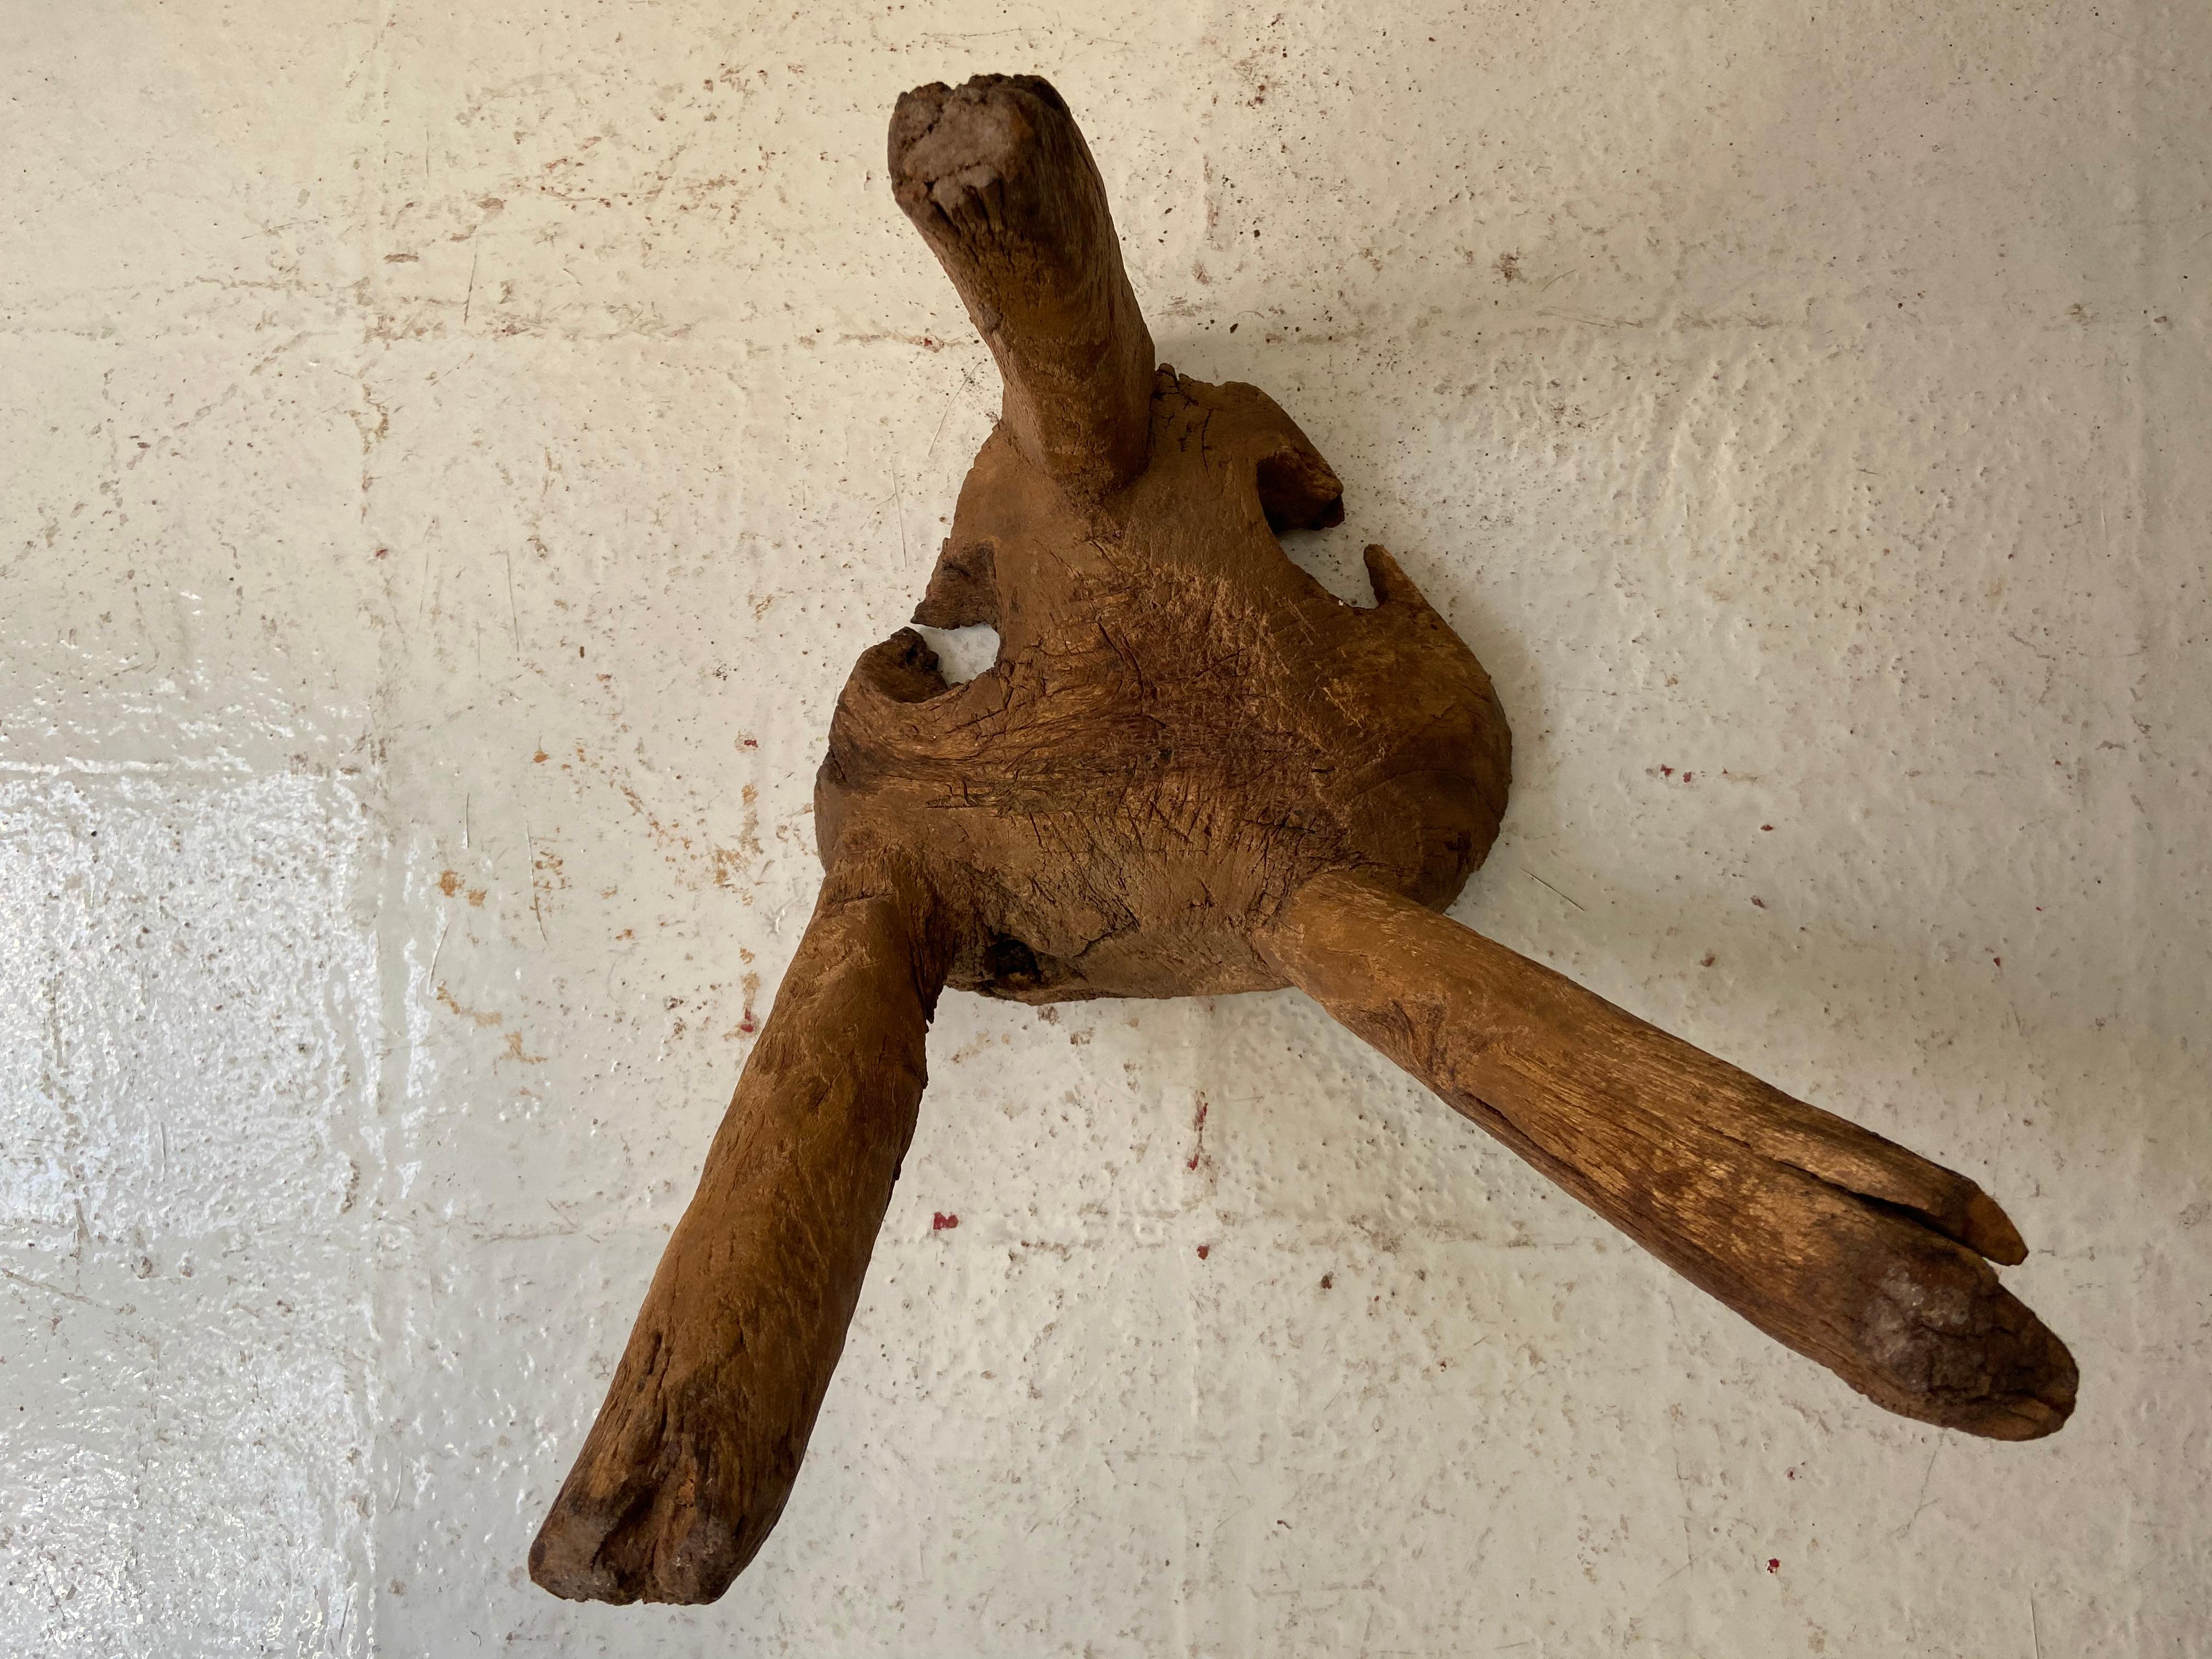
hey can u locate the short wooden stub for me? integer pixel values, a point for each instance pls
(1192, 771)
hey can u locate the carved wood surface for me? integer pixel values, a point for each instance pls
(1192, 771)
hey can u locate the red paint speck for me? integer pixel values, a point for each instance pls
(1689, 777)
(1998, 960)
(749, 1024)
(1766, 826)
(1328, 1281)
(1760, 902)
(1667, 770)
(753, 743)
(939, 1222)
(1774, 1563)
(1198, 1151)
(1204, 1250)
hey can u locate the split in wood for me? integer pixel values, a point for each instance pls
(1191, 771)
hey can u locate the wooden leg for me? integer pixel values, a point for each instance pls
(1833, 1241)
(996, 177)
(699, 1438)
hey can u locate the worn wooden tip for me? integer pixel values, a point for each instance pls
(1990, 1231)
(643, 1516)
(998, 179)
(1936, 1337)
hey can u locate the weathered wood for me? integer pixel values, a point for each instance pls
(694, 1452)
(998, 179)
(1831, 1240)
(1192, 771)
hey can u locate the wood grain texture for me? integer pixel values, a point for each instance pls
(1829, 1238)
(693, 1453)
(996, 177)
(1194, 770)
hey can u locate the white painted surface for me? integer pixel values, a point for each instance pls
(449, 459)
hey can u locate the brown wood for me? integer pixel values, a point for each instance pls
(1192, 771)
(697, 1446)
(997, 178)
(1831, 1240)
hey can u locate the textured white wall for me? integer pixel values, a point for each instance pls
(448, 462)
